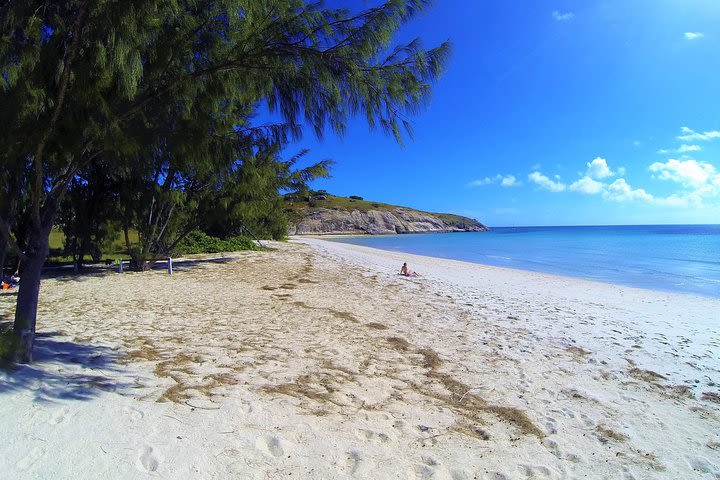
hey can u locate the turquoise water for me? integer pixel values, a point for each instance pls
(678, 258)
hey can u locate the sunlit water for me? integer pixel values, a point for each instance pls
(677, 258)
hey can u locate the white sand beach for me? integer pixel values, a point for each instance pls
(317, 360)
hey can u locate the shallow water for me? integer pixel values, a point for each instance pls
(677, 258)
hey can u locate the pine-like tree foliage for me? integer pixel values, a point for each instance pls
(164, 93)
(248, 199)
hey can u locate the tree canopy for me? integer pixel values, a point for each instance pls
(158, 100)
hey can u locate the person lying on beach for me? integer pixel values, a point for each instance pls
(407, 272)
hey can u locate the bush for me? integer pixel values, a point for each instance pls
(200, 242)
(355, 197)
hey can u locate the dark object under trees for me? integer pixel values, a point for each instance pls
(83, 80)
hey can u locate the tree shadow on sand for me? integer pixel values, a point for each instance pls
(64, 370)
(67, 273)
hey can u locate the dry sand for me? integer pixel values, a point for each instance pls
(316, 360)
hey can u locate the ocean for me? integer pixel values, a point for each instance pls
(674, 258)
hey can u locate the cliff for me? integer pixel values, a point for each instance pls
(327, 214)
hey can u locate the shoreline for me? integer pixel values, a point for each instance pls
(540, 272)
(317, 360)
(519, 272)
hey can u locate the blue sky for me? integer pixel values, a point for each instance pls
(553, 113)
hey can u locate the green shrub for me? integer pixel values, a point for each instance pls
(355, 197)
(200, 242)
(240, 242)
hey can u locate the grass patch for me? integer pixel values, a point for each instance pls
(646, 375)
(606, 434)
(710, 397)
(117, 249)
(376, 326)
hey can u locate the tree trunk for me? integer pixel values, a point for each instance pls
(3, 256)
(28, 294)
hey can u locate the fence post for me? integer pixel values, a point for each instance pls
(170, 265)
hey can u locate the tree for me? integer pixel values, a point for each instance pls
(249, 200)
(88, 214)
(99, 74)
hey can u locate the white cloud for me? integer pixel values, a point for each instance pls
(509, 181)
(689, 135)
(681, 149)
(545, 183)
(598, 169)
(587, 186)
(621, 191)
(689, 172)
(481, 182)
(563, 17)
(693, 35)
(503, 180)
(688, 148)
(676, 200)
(699, 182)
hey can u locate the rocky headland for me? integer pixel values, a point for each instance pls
(339, 215)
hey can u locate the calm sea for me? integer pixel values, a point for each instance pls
(678, 258)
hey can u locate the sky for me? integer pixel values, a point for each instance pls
(552, 112)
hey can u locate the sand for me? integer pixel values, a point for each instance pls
(316, 360)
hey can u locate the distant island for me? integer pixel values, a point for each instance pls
(320, 213)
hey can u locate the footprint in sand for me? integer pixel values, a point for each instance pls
(133, 413)
(373, 437)
(32, 457)
(496, 476)
(147, 460)
(626, 475)
(59, 416)
(552, 447)
(401, 426)
(270, 445)
(571, 457)
(422, 472)
(550, 425)
(568, 412)
(460, 475)
(703, 465)
(536, 471)
(589, 422)
(352, 461)
(244, 405)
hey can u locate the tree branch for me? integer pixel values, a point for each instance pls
(5, 234)
(63, 87)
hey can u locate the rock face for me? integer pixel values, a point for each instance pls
(376, 222)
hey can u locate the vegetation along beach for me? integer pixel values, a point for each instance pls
(363, 239)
